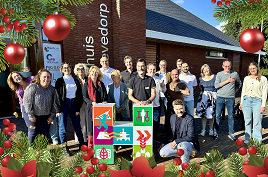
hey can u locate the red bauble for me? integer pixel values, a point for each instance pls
(90, 169)
(56, 27)
(5, 161)
(227, 3)
(12, 126)
(252, 40)
(222, 0)
(7, 144)
(84, 175)
(239, 142)
(91, 151)
(252, 150)
(86, 157)
(219, 3)
(180, 173)
(177, 161)
(246, 163)
(2, 29)
(6, 122)
(23, 26)
(2, 151)
(210, 173)
(242, 151)
(16, 23)
(102, 175)
(185, 166)
(6, 131)
(258, 0)
(6, 19)
(102, 167)
(201, 174)
(213, 1)
(180, 152)
(84, 148)
(3, 11)
(78, 170)
(18, 29)
(251, 0)
(9, 27)
(95, 161)
(14, 54)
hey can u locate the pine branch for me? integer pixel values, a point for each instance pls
(235, 162)
(40, 145)
(262, 151)
(71, 2)
(3, 63)
(193, 170)
(173, 168)
(56, 158)
(215, 162)
(76, 161)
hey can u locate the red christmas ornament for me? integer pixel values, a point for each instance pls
(177, 161)
(7, 144)
(222, 0)
(246, 163)
(9, 27)
(252, 150)
(2, 29)
(213, 1)
(78, 170)
(91, 151)
(210, 173)
(2, 151)
(258, 0)
(86, 157)
(23, 26)
(251, 0)
(14, 54)
(102, 175)
(252, 40)
(5, 161)
(227, 3)
(239, 142)
(219, 3)
(201, 174)
(180, 173)
(18, 29)
(95, 161)
(6, 131)
(56, 27)
(90, 169)
(6, 122)
(242, 151)
(12, 126)
(3, 11)
(6, 19)
(84, 148)
(185, 166)
(102, 167)
(84, 175)
(180, 152)
(16, 23)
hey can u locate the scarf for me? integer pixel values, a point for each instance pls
(92, 92)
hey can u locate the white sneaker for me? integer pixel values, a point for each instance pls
(211, 132)
(203, 132)
(246, 141)
(232, 137)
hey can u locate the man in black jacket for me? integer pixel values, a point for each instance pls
(183, 133)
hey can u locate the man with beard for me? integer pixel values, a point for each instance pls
(141, 87)
(130, 72)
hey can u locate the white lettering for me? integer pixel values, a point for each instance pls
(89, 40)
(104, 29)
(105, 9)
(103, 20)
(104, 40)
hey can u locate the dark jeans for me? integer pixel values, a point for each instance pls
(168, 114)
(156, 113)
(41, 127)
(119, 117)
(69, 108)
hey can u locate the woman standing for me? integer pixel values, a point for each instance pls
(68, 100)
(19, 83)
(253, 100)
(38, 103)
(81, 71)
(93, 92)
(117, 93)
(207, 99)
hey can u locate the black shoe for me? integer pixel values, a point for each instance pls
(67, 152)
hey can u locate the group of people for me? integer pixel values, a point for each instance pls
(42, 104)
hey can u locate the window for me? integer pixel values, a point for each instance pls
(215, 54)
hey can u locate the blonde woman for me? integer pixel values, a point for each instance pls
(253, 101)
(94, 92)
(207, 100)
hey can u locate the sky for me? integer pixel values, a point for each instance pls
(202, 9)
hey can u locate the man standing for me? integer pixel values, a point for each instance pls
(141, 87)
(190, 80)
(106, 70)
(183, 133)
(226, 82)
(130, 71)
(179, 63)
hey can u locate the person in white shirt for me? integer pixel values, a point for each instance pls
(106, 71)
(190, 80)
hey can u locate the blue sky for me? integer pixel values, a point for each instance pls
(200, 8)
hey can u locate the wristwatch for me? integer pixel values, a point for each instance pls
(149, 101)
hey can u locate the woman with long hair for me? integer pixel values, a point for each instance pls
(253, 101)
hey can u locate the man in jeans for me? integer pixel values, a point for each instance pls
(227, 84)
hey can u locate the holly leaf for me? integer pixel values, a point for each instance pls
(254, 171)
(5, 172)
(14, 164)
(120, 173)
(169, 174)
(29, 169)
(43, 169)
(255, 160)
(152, 162)
(125, 165)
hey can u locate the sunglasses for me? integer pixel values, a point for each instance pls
(80, 69)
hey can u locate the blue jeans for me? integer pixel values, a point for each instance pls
(164, 99)
(156, 116)
(69, 108)
(189, 107)
(229, 102)
(252, 105)
(28, 123)
(41, 127)
(54, 131)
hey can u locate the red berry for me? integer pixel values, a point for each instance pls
(2, 30)
(90, 169)
(78, 170)
(9, 27)
(242, 151)
(16, 23)
(222, 0)
(23, 26)
(102, 175)
(251, 0)
(2, 151)
(180, 173)
(11, 11)
(7, 144)
(213, 1)
(185, 166)
(6, 19)
(91, 151)
(252, 150)
(102, 167)
(177, 161)
(227, 3)
(210, 173)
(5, 161)
(219, 3)
(3, 11)
(6, 121)
(12, 126)
(258, 0)
(84, 175)
(246, 163)
(84, 148)
(201, 174)
(6, 131)
(239, 142)
(95, 161)
(18, 29)
(180, 152)
(86, 157)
